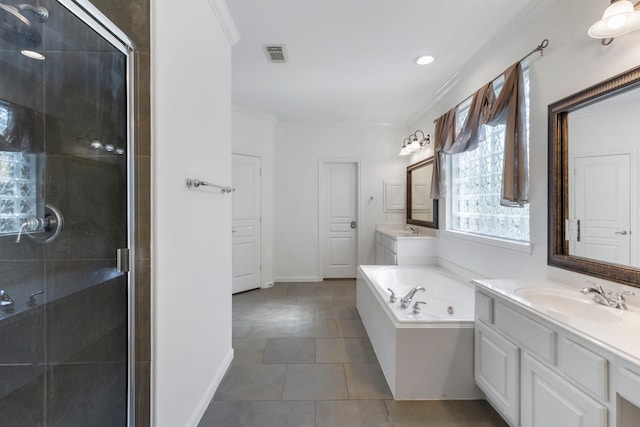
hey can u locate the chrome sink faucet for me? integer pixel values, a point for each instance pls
(406, 300)
(605, 298)
(414, 230)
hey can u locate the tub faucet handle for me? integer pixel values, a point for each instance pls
(392, 297)
(31, 301)
(416, 307)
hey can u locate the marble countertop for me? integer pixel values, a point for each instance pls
(619, 333)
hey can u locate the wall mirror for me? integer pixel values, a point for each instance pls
(594, 184)
(421, 208)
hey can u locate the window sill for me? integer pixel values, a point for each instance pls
(512, 245)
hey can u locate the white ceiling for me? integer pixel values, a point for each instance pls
(351, 61)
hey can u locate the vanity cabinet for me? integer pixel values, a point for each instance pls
(385, 249)
(537, 374)
(404, 250)
(497, 363)
(549, 400)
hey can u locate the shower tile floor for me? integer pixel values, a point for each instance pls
(303, 359)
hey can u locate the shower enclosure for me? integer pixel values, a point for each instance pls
(66, 336)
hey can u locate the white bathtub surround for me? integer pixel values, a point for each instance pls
(397, 245)
(425, 356)
(545, 352)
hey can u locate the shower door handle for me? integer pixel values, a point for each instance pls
(122, 260)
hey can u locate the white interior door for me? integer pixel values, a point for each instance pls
(339, 206)
(602, 204)
(246, 223)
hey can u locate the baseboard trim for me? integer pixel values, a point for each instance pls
(203, 404)
(298, 279)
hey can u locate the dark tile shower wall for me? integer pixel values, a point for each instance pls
(92, 356)
(133, 17)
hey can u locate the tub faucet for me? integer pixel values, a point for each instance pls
(414, 230)
(406, 300)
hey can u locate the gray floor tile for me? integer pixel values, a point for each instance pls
(366, 381)
(352, 413)
(477, 413)
(248, 351)
(241, 328)
(351, 328)
(290, 350)
(316, 329)
(331, 312)
(252, 382)
(315, 382)
(342, 350)
(424, 413)
(271, 329)
(259, 414)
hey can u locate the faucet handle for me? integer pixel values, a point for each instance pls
(392, 297)
(416, 307)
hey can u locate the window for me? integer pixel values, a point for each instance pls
(476, 183)
(18, 180)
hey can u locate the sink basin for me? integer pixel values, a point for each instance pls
(565, 304)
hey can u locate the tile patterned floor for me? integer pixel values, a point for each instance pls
(303, 359)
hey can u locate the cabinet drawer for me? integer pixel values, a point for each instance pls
(538, 339)
(628, 383)
(585, 368)
(484, 308)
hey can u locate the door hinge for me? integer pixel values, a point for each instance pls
(123, 263)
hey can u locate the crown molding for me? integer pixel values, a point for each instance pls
(226, 21)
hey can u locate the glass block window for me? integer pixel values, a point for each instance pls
(476, 185)
(18, 183)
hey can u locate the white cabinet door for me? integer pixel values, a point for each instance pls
(497, 371)
(548, 400)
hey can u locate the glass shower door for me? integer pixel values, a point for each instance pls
(65, 204)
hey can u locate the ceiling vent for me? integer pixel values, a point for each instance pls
(275, 53)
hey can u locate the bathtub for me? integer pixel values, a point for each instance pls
(423, 356)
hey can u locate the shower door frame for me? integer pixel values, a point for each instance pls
(101, 24)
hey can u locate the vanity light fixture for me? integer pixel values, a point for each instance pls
(619, 18)
(414, 143)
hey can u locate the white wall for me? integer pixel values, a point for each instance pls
(254, 134)
(297, 152)
(572, 62)
(191, 243)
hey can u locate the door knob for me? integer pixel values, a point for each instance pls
(353, 224)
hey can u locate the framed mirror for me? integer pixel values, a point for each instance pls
(594, 183)
(421, 208)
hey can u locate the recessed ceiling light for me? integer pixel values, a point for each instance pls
(33, 55)
(424, 60)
